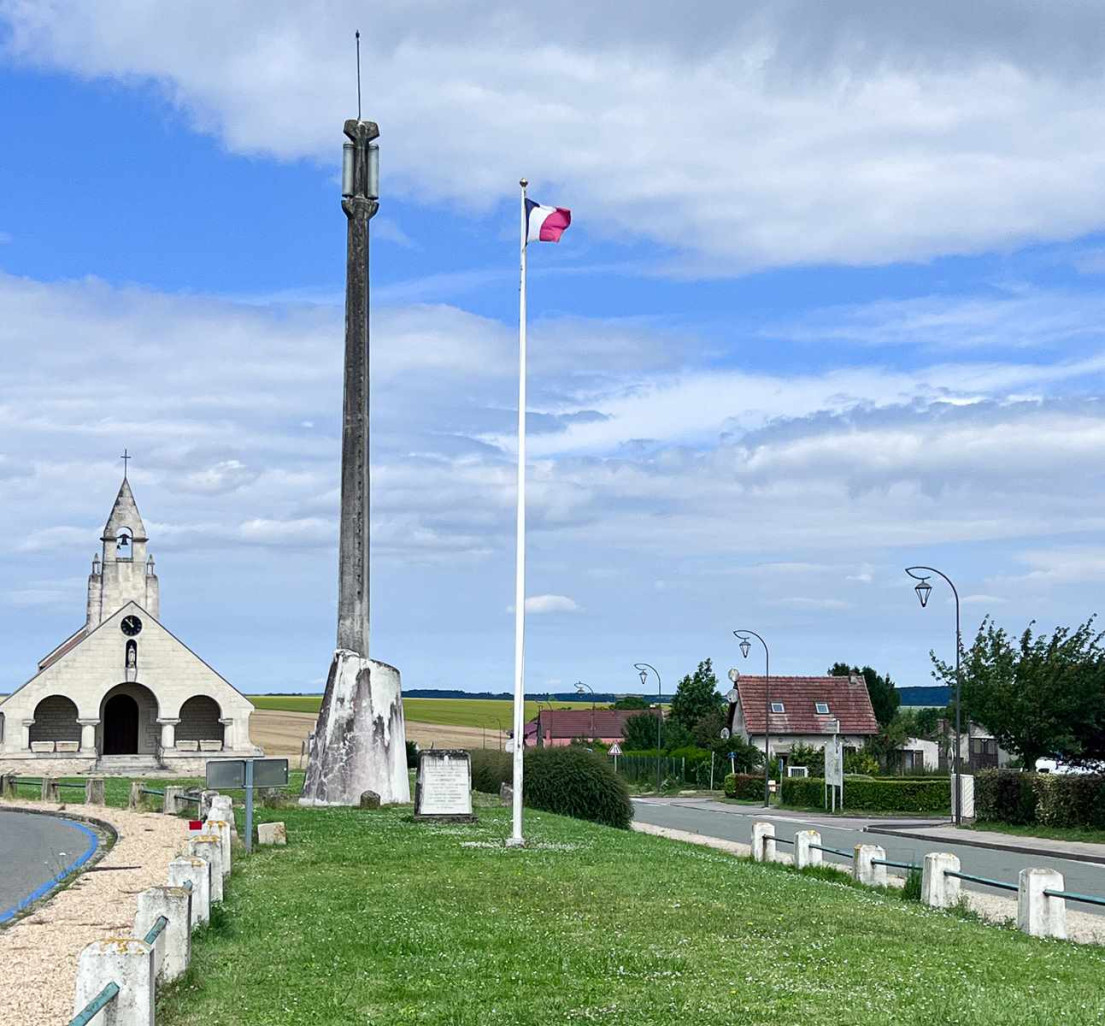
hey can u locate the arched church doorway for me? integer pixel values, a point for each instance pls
(121, 726)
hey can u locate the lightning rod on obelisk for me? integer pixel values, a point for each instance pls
(359, 742)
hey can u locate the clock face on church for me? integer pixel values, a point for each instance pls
(131, 625)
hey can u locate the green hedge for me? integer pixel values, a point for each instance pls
(490, 768)
(574, 782)
(1050, 799)
(569, 781)
(744, 785)
(871, 794)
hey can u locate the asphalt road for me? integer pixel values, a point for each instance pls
(734, 823)
(34, 849)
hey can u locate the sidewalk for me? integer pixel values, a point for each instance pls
(1079, 851)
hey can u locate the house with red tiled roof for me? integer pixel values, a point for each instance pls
(556, 727)
(803, 711)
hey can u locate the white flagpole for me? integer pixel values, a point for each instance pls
(520, 555)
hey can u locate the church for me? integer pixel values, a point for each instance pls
(123, 694)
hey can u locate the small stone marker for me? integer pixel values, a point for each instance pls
(94, 791)
(506, 794)
(443, 789)
(369, 800)
(273, 833)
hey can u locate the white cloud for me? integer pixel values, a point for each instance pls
(748, 135)
(537, 604)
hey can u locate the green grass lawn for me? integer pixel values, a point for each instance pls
(1037, 830)
(444, 712)
(370, 918)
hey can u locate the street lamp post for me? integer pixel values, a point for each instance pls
(923, 589)
(642, 669)
(746, 647)
(579, 691)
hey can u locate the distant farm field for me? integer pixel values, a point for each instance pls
(492, 714)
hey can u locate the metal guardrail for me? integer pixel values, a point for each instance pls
(835, 851)
(896, 865)
(151, 790)
(96, 1005)
(154, 931)
(1001, 884)
(1090, 899)
(778, 840)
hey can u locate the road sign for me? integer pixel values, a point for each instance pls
(614, 749)
(227, 774)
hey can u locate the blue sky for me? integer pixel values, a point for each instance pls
(830, 305)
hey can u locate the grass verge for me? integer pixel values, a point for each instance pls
(1037, 830)
(371, 918)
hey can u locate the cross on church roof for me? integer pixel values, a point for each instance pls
(125, 457)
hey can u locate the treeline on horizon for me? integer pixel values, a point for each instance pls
(936, 695)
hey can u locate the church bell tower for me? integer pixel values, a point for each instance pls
(124, 573)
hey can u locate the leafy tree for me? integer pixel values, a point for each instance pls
(639, 733)
(1040, 695)
(880, 688)
(707, 734)
(631, 702)
(812, 758)
(695, 696)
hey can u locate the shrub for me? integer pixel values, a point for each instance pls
(1050, 799)
(901, 794)
(569, 781)
(861, 762)
(412, 755)
(744, 785)
(1069, 801)
(812, 758)
(490, 769)
(1005, 797)
(574, 782)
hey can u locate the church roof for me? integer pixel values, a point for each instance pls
(125, 514)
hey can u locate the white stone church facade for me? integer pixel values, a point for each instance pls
(122, 694)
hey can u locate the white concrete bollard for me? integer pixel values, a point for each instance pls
(94, 791)
(173, 948)
(864, 868)
(938, 890)
(197, 872)
(127, 963)
(222, 807)
(1038, 914)
(50, 792)
(804, 853)
(206, 797)
(763, 842)
(221, 828)
(209, 847)
(172, 800)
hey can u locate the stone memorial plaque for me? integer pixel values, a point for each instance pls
(443, 789)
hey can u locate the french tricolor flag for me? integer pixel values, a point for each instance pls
(545, 224)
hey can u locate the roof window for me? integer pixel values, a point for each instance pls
(777, 707)
(822, 708)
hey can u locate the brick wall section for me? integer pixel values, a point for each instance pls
(56, 720)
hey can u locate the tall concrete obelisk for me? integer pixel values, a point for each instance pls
(360, 738)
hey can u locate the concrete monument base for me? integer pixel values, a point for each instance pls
(360, 740)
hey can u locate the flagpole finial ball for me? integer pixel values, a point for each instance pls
(523, 182)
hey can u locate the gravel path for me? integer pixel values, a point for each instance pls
(39, 952)
(1081, 926)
